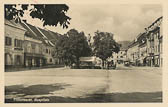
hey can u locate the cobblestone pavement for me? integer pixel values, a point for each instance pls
(57, 85)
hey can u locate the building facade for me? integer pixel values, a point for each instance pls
(48, 45)
(33, 53)
(154, 43)
(133, 53)
(32, 48)
(119, 58)
(146, 49)
(14, 38)
(28, 46)
(41, 45)
(142, 48)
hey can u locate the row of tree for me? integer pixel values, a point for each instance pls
(104, 45)
(72, 45)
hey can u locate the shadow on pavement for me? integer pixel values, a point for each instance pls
(102, 98)
(34, 89)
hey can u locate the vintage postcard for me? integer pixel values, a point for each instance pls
(69, 52)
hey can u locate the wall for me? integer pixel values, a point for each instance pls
(47, 52)
(11, 53)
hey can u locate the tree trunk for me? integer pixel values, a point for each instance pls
(103, 64)
(77, 62)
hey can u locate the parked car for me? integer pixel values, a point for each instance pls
(86, 65)
(126, 63)
(111, 65)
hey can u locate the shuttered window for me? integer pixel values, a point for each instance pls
(8, 41)
(18, 43)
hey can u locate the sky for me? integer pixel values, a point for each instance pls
(124, 21)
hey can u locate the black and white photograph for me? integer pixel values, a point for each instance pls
(83, 53)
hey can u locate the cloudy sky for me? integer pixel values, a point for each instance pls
(124, 21)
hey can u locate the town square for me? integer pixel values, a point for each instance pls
(72, 85)
(65, 53)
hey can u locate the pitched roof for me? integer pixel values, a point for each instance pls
(30, 33)
(35, 33)
(46, 36)
(51, 36)
(14, 24)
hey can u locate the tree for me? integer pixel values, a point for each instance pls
(49, 14)
(72, 46)
(104, 45)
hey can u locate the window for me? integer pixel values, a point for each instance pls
(121, 56)
(8, 41)
(158, 48)
(46, 50)
(17, 60)
(158, 34)
(8, 59)
(141, 54)
(151, 44)
(28, 49)
(18, 43)
(151, 37)
(49, 51)
(33, 46)
(50, 59)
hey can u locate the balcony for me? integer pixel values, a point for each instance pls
(18, 48)
(33, 54)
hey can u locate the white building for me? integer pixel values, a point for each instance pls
(14, 37)
(132, 52)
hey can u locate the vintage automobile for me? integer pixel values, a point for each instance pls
(126, 63)
(111, 65)
(88, 63)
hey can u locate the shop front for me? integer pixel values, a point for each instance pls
(33, 60)
(157, 60)
(150, 61)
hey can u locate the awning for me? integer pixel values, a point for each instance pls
(87, 59)
(149, 57)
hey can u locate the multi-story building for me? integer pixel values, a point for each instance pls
(14, 37)
(48, 38)
(121, 56)
(29, 46)
(147, 48)
(142, 48)
(154, 43)
(48, 45)
(132, 52)
(33, 56)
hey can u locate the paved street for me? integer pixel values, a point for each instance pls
(57, 85)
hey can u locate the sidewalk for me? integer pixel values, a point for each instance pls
(147, 68)
(157, 70)
(32, 68)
